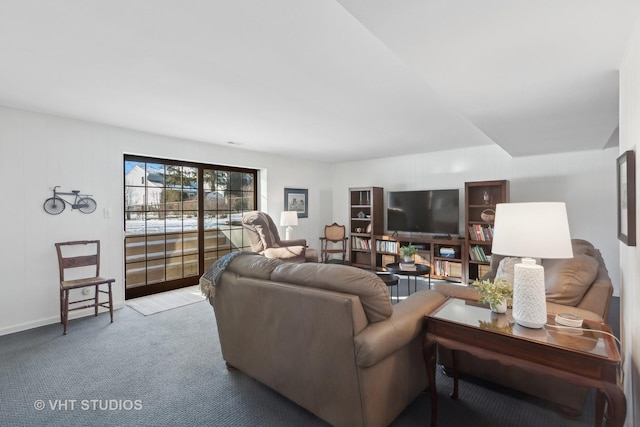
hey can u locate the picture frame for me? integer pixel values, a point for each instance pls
(297, 199)
(626, 183)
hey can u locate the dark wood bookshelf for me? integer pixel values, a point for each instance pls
(480, 197)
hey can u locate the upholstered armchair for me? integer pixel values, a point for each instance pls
(265, 240)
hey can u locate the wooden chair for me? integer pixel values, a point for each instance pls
(333, 242)
(81, 266)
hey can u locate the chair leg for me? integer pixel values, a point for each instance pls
(61, 306)
(65, 310)
(110, 302)
(95, 300)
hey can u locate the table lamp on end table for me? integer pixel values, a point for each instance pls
(531, 230)
(288, 218)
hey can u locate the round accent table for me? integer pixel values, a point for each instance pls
(390, 280)
(421, 270)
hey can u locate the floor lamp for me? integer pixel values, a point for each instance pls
(288, 218)
(531, 230)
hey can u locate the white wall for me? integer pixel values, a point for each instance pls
(39, 151)
(585, 181)
(630, 256)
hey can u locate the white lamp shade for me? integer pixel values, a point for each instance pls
(534, 230)
(289, 218)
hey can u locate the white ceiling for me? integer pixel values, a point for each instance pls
(326, 80)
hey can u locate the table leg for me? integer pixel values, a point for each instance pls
(600, 405)
(429, 354)
(456, 374)
(616, 406)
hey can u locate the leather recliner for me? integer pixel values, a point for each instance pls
(265, 240)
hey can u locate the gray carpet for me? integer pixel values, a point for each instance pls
(166, 370)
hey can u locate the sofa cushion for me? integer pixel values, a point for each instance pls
(506, 268)
(372, 291)
(567, 280)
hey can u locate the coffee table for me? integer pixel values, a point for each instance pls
(421, 270)
(587, 357)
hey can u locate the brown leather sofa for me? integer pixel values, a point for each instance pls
(265, 240)
(581, 286)
(325, 336)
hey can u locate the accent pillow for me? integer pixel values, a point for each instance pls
(583, 247)
(567, 280)
(506, 267)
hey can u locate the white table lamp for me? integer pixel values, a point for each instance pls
(288, 218)
(531, 230)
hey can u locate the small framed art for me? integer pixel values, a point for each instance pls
(297, 199)
(626, 167)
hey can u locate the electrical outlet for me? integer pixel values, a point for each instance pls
(86, 291)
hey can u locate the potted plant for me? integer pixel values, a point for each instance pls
(407, 252)
(497, 293)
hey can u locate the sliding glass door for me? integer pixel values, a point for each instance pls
(179, 218)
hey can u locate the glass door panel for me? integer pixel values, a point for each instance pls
(179, 218)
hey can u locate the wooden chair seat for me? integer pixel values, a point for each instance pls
(81, 283)
(71, 256)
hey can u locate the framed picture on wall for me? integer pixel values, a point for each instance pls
(297, 199)
(626, 167)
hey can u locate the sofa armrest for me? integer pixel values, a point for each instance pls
(293, 242)
(452, 290)
(407, 323)
(290, 253)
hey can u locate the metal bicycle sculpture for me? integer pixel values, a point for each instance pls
(56, 204)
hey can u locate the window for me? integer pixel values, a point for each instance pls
(179, 218)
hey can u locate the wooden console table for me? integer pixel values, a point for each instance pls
(587, 358)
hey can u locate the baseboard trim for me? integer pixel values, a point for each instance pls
(52, 319)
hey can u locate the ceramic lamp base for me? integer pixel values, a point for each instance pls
(529, 298)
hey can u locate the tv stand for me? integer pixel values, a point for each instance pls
(442, 236)
(386, 250)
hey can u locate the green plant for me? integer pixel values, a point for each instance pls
(408, 250)
(495, 292)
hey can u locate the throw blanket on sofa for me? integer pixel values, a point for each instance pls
(209, 279)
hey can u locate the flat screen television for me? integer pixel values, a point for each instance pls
(424, 211)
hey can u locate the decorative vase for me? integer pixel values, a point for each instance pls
(407, 259)
(500, 307)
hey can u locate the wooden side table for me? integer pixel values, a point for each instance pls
(587, 357)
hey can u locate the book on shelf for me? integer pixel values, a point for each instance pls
(447, 268)
(360, 243)
(476, 253)
(481, 233)
(386, 246)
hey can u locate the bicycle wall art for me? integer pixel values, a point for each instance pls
(56, 204)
